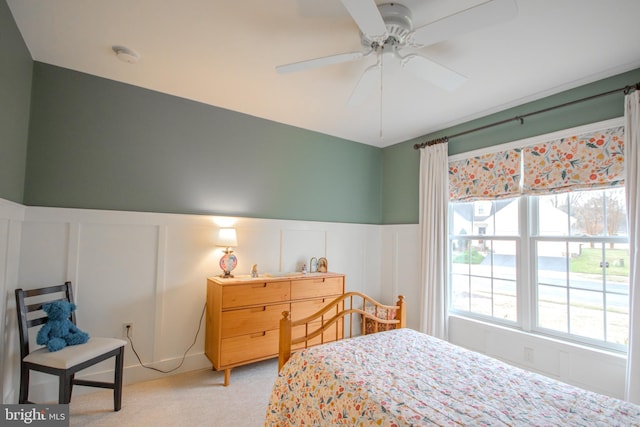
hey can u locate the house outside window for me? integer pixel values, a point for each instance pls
(582, 266)
(483, 263)
(547, 261)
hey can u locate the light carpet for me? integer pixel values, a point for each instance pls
(193, 399)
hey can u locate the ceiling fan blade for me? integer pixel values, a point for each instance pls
(472, 19)
(319, 62)
(367, 16)
(433, 72)
(365, 85)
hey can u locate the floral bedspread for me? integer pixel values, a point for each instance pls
(403, 377)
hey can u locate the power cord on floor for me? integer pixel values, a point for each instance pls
(184, 356)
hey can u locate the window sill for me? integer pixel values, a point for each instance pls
(532, 338)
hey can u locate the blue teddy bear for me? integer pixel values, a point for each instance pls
(59, 331)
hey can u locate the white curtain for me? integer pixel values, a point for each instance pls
(433, 219)
(632, 169)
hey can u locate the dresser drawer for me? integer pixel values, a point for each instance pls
(255, 294)
(312, 288)
(249, 347)
(302, 309)
(251, 320)
(244, 314)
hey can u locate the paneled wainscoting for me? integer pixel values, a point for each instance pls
(150, 270)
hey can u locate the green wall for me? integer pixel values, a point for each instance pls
(68, 139)
(401, 162)
(15, 95)
(96, 143)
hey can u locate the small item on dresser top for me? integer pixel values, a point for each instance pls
(323, 265)
(304, 268)
(313, 265)
(254, 270)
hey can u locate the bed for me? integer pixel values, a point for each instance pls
(378, 379)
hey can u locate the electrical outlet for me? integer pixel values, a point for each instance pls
(528, 354)
(127, 330)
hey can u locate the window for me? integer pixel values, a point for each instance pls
(581, 266)
(483, 259)
(548, 262)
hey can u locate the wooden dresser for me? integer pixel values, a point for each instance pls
(243, 314)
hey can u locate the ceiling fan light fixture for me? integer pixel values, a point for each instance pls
(398, 21)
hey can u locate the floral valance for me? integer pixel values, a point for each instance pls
(489, 176)
(591, 160)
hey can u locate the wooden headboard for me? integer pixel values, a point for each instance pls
(333, 315)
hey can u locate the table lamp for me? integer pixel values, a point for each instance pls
(227, 239)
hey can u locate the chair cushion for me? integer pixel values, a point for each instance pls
(74, 354)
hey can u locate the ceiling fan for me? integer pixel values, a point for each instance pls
(387, 29)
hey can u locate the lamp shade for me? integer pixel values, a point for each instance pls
(227, 238)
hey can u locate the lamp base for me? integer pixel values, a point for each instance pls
(227, 263)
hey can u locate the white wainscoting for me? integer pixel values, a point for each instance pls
(11, 217)
(400, 247)
(150, 269)
(599, 371)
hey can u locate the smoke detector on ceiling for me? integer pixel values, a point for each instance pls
(125, 54)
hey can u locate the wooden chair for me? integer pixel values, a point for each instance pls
(66, 362)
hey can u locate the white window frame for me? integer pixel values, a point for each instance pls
(525, 273)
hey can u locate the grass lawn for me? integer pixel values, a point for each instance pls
(462, 257)
(590, 258)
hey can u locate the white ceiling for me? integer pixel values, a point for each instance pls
(224, 53)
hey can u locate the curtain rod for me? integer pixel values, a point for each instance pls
(626, 90)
